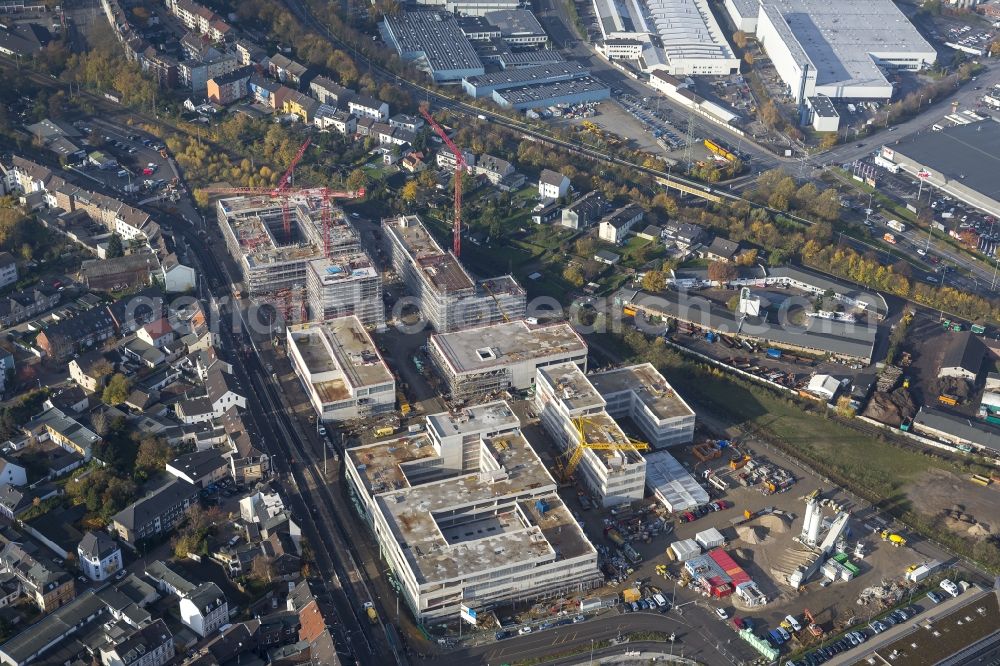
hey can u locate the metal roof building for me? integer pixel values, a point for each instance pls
(671, 484)
(435, 41)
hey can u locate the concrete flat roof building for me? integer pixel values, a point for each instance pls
(573, 414)
(517, 26)
(536, 96)
(671, 484)
(962, 161)
(332, 273)
(435, 42)
(481, 361)
(840, 49)
(450, 299)
(641, 393)
(340, 369)
(468, 514)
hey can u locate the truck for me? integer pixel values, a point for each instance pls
(889, 238)
(922, 571)
(896, 225)
(384, 431)
(370, 611)
(948, 399)
(892, 538)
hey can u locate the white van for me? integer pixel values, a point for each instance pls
(122, 173)
(660, 601)
(949, 587)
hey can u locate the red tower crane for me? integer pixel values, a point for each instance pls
(460, 166)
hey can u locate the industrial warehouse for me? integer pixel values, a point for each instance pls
(962, 160)
(468, 514)
(449, 299)
(315, 261)
(340, 369)
(837, 50)
(489, 359)
(680, 37)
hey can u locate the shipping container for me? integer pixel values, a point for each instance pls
(774, 353)
(978, 329)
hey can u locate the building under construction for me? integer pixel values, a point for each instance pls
(450, 299)
(310, 261)
(573, 412)
(484, 361)
(641, 393)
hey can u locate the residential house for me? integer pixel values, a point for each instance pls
(250, 53)
(607, 257)
(200, 18)
(413, 162)
(494, 168)
(330, 93)
(684, 235)
(721, 249)
(99, 556)
(368, 107)
(223, 391)
(200, 468)
(286, 70)
(41, 579)
(90, 371)
(194, 410)
(8, 269)
(160, 66)
(157, 333)
(364, 126)
(546, 213)
(11, 473)
(552, 184)
(15, 501)
(119, 273)
(247, 462)
(445, 159)
(148, 645)
(195, 73)
(407, 122)
(21, 306)
(329, 118)
(55, 425)
(301, 105)
(267, 92)
(177, 278)
(586, 211)
(231, 87)
(143, 353)
(156, 513)
(202, 606)
(963, 357)
(615, 227)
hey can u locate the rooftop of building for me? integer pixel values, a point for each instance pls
(341, 357)
(257, 222)
(666, 476)
(968, 154)
(443, 270)
(687, 29)
(514, 22)
(601, 429)
(823, 107)
(478, 349)
(546, 91)
(839, 39)
(528, 75)
(489, 417)
(572, 386)
(509, 474)
(647, 384)
(434, 36)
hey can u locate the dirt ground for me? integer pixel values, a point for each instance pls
(940, 491)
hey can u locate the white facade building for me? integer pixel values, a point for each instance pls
(467, 513)
(644, 395)
(481, 361)
(340, 369)
(840, 49)
(99, 555)
(204, 609)
(570, 408)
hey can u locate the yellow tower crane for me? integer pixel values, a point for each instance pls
(576, 455)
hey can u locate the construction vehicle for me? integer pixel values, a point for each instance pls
(889, 238)
(737, 462)
(460, 166)
(981, 480)
(370, 611)
(811, 625)
(948, 399)
(661, 570)
(384, 431)
(404, 406)
(630, 594)
(629, 311)
(892, 538)
(576, 454)
(616, 537)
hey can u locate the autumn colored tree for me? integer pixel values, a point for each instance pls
(722, 271)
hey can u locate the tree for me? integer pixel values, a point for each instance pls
(654, 281)
(573, 275)
(721, 271)
(748, 258)
(740, 39)
(770, 115)
(262, 569)
(153, 455)
(357, 179)
(117, 390)
(844, 408)
(748, 58)
(828, 141)
(827, 205)
(805, 195)
(585, 246)
(410, 191)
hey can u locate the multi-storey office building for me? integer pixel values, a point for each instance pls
(641, 393)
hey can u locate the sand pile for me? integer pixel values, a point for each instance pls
(979, 531)
(751, 535)
(774, 523)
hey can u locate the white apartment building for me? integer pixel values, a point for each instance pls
(467, 513)
(204, 609)
(449, 298)
(99, 555)
(8, 269)
(341, 369)
(573, 413)
(641, 393)
(481, 361)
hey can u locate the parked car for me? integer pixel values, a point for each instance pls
(721, 612)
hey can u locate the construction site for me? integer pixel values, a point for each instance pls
(450, 299)
(300, 255)
(487, 360)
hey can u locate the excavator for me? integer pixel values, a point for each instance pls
(811, 625)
